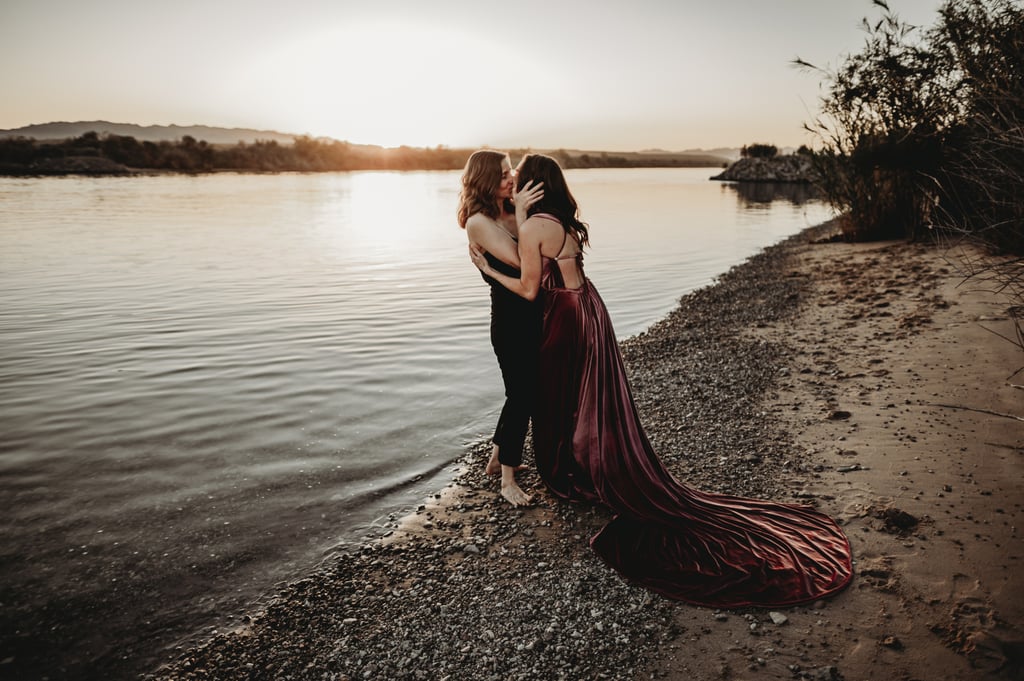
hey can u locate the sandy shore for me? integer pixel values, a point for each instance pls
(863, 379)
(892, 354)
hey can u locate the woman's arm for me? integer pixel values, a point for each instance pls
(528, 284)
(486, 235)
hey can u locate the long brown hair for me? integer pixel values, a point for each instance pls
(558, 200)
(480, 181)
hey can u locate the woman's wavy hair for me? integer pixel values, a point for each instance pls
(480, 181)
(558, 200)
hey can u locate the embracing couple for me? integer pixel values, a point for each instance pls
(562, 367)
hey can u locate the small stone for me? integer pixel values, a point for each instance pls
(471, 548)
(892, 642)
(778, 618)
(826, 674)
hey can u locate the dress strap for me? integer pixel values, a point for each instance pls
(565, 236)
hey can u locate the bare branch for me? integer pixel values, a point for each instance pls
(980, 411)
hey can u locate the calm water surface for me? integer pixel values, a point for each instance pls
(207, 384)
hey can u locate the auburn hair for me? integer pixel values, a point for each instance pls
(480, 181)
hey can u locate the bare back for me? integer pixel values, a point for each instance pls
(558, 246)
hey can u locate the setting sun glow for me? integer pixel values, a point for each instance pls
(378, 83)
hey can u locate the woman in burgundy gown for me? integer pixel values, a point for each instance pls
(703, 548)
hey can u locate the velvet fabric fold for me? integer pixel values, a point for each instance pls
(703, 548)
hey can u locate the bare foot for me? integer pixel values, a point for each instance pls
(514, 495)
(493, 467)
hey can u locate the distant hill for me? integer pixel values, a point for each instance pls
(650, 158)
(148, 133)
(727, 153)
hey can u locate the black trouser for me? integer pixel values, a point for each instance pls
(515, 344)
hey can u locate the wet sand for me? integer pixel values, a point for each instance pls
(864, 379)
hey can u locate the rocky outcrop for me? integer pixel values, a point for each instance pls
(788, 168)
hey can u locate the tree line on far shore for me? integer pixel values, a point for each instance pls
(188, 154)
(110, 154)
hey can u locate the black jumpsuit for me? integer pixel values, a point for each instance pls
(515, 337)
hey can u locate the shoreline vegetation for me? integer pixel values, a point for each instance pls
(94, 153)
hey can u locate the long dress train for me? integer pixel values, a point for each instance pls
(703, 548)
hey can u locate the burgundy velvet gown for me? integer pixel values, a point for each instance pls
(703, 548)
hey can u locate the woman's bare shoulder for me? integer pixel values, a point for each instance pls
(540, 225)
(478, 223)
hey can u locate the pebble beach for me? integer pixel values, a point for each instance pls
(863, 379)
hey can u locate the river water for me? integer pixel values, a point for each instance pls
(209, 383)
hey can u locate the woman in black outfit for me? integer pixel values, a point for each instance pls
(487, 214)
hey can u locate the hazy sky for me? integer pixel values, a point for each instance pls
(597, 74)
